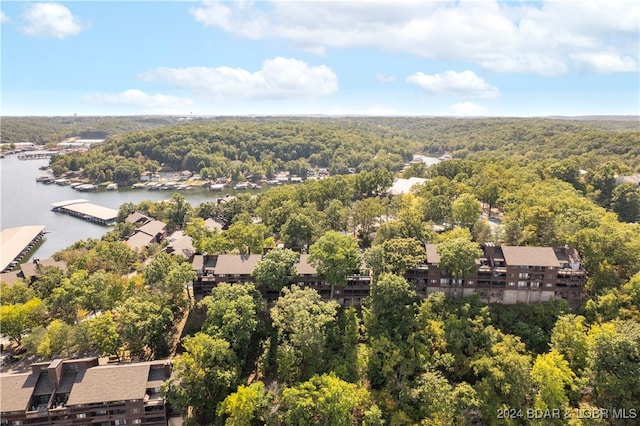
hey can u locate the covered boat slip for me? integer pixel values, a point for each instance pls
(85, 210)
(15, 243)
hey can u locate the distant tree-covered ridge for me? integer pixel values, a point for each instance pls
(245, 148)
(51, 130)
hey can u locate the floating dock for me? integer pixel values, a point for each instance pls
(16, 243)
(88, 211)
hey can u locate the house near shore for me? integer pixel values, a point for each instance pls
(149, 231)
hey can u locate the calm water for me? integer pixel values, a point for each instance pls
(26, 202)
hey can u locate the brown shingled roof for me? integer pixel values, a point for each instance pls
(109, 383)
(432, 253)
(303, 267)
(530, 256)
(236, 264)
(16, 390)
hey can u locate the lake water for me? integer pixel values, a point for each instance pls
(26, 202)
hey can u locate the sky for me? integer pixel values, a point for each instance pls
(434, 58)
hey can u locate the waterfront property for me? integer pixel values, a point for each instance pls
(80, 391)
(16, 243)
(85, 210)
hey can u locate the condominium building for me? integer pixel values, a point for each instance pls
(82, 392)
(504, 274)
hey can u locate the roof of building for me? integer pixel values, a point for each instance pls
(109, 383)
(139, 240)
(14, 240)
(16, 391)
(94, 210)
(403, 186)
(153, 227)
(10, 277)
(530, 256)
(213, 224)
(182, 244)
(197, 264)
(303, 267)
(236, 264)
(432, 253)
(30, 269)
(136, 217)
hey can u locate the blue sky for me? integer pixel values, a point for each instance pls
(443, 58)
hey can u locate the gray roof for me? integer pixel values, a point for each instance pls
(109, 383)
(236, 264)
(14, 240)
(530, 256)
(16, 391)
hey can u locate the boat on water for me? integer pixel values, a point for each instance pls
(44, 179)
(62, 181)
(86, 187)
(139, 185)
(241, 186)
(216, 187)
(112, 187)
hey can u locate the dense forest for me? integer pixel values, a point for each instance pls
(400, 359)
(251, 148)
(51, 130)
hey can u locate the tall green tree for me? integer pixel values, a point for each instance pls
(402, 254)
(325, 400)
(275, 268)
(246, 406)
(204, 376)
(301, 320)
(335, 257)
(458, 256)
(466, 210)
(232, 315)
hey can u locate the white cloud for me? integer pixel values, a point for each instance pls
(141, 100)
(547, 37)
(384, 78)
(3, 18)
(468, 109)
(277, 79)
(465, 84)
(51, 20)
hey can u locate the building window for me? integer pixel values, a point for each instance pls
(119, 422)
(434, 281)
(511, 283)
(548, 285)
(523, 275)
(136, 421)
(81, 415)
(522, 284)
(535, 285)
(444, 281)
(135, 410)
(470, 282)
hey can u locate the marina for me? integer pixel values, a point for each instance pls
(85, 210)
(16, 243)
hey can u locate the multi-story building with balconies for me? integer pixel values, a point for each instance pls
(505, 274)
(81, 392)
